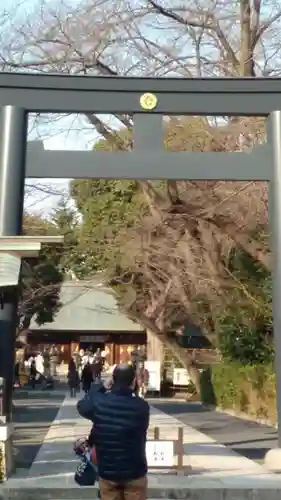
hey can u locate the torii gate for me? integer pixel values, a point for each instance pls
(147, 100)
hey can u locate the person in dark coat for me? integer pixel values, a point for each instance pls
(87, 377)
(73, 378)
(120, 422)
(97, 368)
(33, 373)
(17, 374)
(54, 360)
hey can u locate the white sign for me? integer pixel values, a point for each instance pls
(160, 453)
(180, 377)
(154, 371)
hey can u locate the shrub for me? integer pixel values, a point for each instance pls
(247, 345)
(248, 389)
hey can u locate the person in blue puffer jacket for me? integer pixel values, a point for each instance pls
(120, 423)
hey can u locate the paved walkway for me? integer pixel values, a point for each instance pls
(248, 438)
(33, 414)
(212, 465)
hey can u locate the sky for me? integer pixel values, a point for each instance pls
(69, 133)
(75, 135)
(66, 132)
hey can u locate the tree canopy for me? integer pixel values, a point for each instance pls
(172, 249)
(107, 207)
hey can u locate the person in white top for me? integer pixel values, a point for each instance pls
(28, 362)
(39, 364)
(85, 359)
(91, 358)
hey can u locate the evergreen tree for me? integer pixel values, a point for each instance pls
(68, 257)
(41, 278)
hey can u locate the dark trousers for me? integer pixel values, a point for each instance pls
(73, 391)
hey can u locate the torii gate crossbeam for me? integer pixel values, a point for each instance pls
(176, 96)
(23, 93)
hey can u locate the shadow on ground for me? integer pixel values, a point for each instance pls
(248, 438)
(32, 417)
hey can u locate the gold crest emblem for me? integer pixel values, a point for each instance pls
(148, 101)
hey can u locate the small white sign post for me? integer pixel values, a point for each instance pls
(160, 454)
(154, 375)
(180, 377)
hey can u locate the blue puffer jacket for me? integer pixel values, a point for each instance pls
(120, 421)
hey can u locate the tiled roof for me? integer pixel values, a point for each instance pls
(88, 306)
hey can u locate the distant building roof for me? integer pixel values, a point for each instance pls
(88, 306)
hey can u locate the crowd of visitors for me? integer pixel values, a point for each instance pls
(84, 368)
(38, 369)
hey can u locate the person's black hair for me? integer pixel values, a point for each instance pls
(124, 375)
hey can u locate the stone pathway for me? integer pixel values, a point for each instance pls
(212, 465)
(246, 437)
(33, 414)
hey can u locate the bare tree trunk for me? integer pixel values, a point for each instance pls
(246, 48)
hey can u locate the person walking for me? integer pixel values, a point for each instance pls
(142, 379)
(120, 422)
(73, 378)
(97, 366)
(17, 382)
(39, 365)
(78, 361)
(87, 377)
(32, 373)
(54, 360)
(85, 358)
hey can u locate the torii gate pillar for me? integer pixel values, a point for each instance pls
(13, 135)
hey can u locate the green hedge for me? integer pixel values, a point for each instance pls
(247, 389)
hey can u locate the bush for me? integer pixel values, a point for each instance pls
(247, 345)
(248, 389)
(206, 388)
